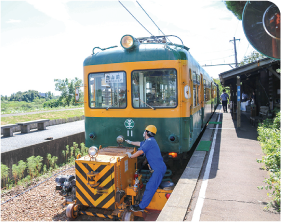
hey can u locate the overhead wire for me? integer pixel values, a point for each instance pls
(218, 51)
(151, 19)
(136, 19)
(215, 59)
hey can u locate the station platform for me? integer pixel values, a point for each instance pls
(221, 184)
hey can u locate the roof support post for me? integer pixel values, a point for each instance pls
(238, 103)
(273, 72)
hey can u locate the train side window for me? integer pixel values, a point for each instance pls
(154, 88)
(205, 85)
(196, 82)
(207, 91)
(107, 90)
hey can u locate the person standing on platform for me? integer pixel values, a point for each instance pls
(224, 97)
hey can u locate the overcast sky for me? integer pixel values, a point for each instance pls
(46, 40)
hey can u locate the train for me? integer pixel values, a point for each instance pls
(147, 81)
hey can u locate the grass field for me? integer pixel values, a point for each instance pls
(8, 107)
(49, 115)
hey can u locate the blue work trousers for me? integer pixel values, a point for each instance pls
(152, 186)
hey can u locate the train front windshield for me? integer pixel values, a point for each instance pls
(108, 90)
(154, 88)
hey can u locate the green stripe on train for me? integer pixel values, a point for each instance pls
(107, 129)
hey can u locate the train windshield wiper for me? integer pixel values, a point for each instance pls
(147, 104)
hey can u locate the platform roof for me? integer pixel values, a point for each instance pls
(249, 69)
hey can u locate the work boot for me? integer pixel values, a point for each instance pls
(135, 208)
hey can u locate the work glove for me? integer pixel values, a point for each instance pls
(129, 154)
(128, 141)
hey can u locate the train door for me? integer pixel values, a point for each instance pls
(191, 108)
(202, 89)
(195, 117)
(212, 101)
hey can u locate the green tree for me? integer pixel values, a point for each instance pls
(50, 95)
(236, 7)
(28, 96)
(253, 57)
(67, 89)
(221, 88)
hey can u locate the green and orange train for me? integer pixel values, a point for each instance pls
(147, 81)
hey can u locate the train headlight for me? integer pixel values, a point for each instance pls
(129, 42)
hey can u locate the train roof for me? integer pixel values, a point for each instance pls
(146, 50)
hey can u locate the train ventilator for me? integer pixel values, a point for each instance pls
(108, 183)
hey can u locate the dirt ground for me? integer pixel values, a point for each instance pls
(41, 203)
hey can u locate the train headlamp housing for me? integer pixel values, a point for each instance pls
(92, 136)
(173, 138)
(129, 42)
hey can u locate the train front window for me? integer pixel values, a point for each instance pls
(154, 88)
(107, 90)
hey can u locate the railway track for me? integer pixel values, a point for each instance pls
(43, 203)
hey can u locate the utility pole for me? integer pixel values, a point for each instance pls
(235, 52)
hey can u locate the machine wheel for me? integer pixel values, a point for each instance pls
(70, 212)
(127, 215)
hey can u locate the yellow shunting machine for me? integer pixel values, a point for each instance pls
(105, 186)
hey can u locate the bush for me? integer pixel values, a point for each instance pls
(34, 165)
(53, 103)
(269, 138)
(74, 151)
(18, 170)
(51, 161)
(4, 171)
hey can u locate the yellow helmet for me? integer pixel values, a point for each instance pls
(151, 128)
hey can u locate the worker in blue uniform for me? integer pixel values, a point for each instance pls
(150, 148)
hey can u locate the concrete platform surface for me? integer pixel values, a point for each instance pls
(177, 204)
(229, 192)
(20, 140)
